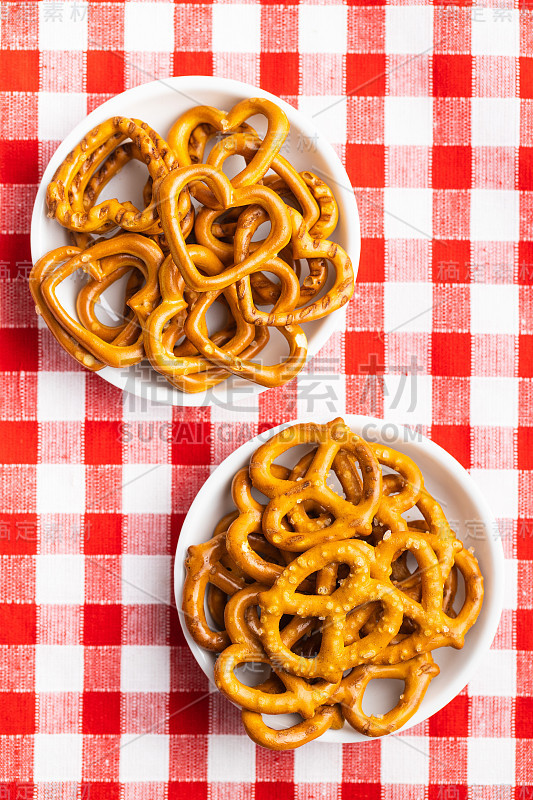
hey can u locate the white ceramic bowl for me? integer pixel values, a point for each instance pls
(160, 103)
(462, 502)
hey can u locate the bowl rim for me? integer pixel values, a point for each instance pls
(185, 85)
(492, 602)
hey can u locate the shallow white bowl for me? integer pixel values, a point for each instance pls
(462, 502)
(160, 103)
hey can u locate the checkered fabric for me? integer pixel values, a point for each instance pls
(431, 109)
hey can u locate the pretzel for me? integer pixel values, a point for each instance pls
(325, 717)
(417, 673)
(203, 567)
(168, 191)
(39, 272)
(90, 294)
(350, 518)
(359, 587)
(74, 173)
(246, 341)
(278, 128)
(304, 247)
(146, 256)
(331, 614)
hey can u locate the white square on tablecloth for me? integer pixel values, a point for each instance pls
(318, 762)
(321, 394)
(146, 488)
(144, 758)
(322, 28)
(61, 396)
(329, 116)
(408, 29)
(408, 213)
(60, 488)
(64, 30)
(236, 28)
(494, 308)
(408, 307)
(59, 579)
(239, 767)
(495, 121)
(145, 579)
(491, 762)
(405, 759)
(408, 399)
(149, 27)
(59, 112)
(409, 120)
(496, 34)
(58, 668)
(495, 676)
(494, 401)
(500, 487)
(494, 215)
(57, 757)
(144, 668)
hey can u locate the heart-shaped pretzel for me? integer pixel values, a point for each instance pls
(168, 192)
(76, 170)
(278, 128)
(40, 271)
(146, 256)
(177, 366)
(304, 247)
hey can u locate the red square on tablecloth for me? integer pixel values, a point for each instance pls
(365, 353)
(20, 71)
(279, 73)
(450, 354)
(101, 712)
(452, 167)
(452, 720)
(101, 624)
(17, 713)
(455, 439)
(452, 75)
(18, 442)
(365, 74)
(19, 162)
(105, 71)
(365, 164)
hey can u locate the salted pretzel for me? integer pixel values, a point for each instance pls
(350, 519)
(323, 604)
(358, 587)
(75, 171)
(417, 673)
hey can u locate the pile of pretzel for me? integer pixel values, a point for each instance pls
(192, 246)
(315, 584)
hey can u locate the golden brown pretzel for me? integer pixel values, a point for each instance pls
(359, 587)
(40, 271)
(350, 519)
(168, 192)
(417, 673)
(157, 155)
(278, 128)
(146, 256)
(325, 717)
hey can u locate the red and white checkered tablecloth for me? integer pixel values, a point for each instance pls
(431, 108)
